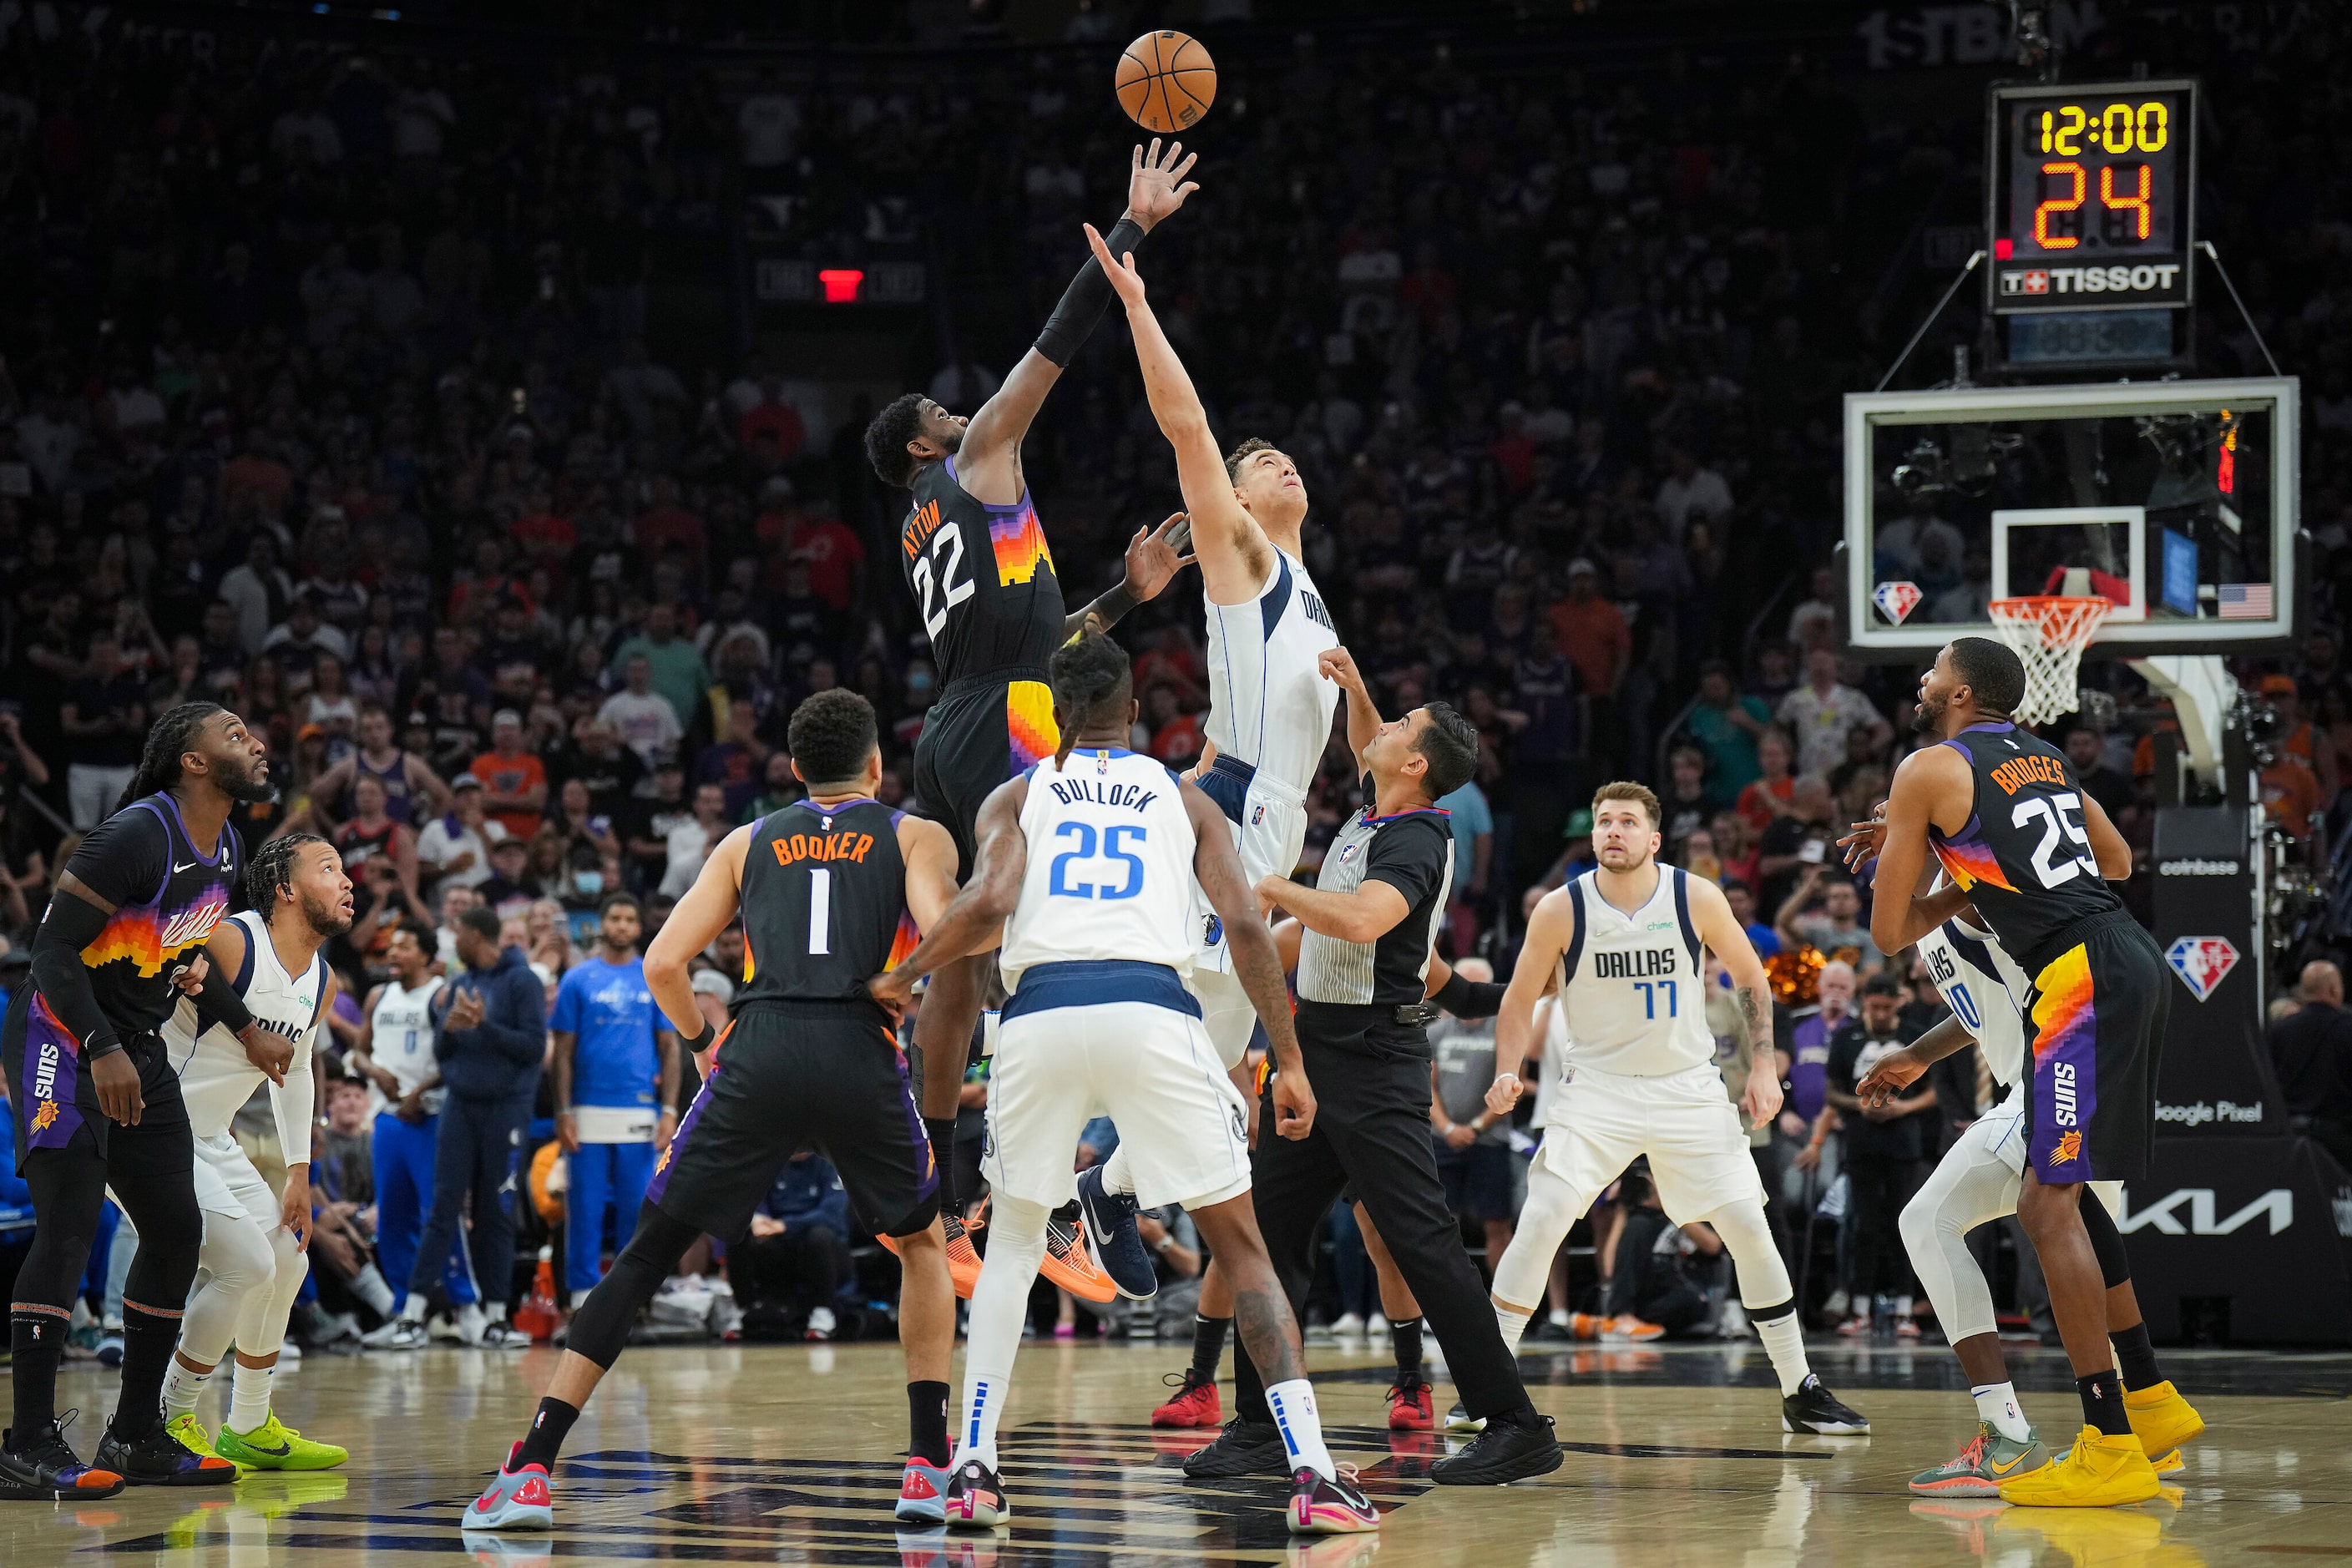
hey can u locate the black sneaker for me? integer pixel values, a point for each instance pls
(1506, 1451)
(43, 1467)
(1245, 1448)
(157, 1458)
(1109, 1221)
(1817, 1412)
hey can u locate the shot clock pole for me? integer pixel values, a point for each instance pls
(1931, 320)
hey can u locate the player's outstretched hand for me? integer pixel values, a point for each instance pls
(1125, 281)
(1863, 840)
(116, 1077)
(1337, 666)
(273, 1053)
(1155, 555)
(893, 989)
(1294, 1106)
(1894, 1072)
(1155, 186)
(1503, 1093)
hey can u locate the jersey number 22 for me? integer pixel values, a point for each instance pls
(937, 588)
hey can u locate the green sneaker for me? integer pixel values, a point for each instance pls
(190, 1434)
(273, 1445)
(1979, 1470)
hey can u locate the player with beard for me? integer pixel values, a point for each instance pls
(976, 561)
(99, 1107)
(254, 1242)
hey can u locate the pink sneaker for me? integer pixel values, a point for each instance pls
(515, 1500)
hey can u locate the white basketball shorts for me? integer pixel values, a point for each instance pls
(1685, 1121)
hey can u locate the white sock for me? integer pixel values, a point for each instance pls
(494, 1311)
(1000, 1305)
(1558, 1317)
(184, 1387)
(1118, 1172)
(368, 1285)
(415, 1309)
(984, 1407)
(248, 1404)
(1513, 1324)
(1995, 1403)
(1293, 1404)
(1784, 1340)
(1903, 1305)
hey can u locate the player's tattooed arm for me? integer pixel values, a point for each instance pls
(973, 921)
(1720, 930)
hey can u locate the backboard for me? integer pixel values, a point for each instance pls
(2176, 501)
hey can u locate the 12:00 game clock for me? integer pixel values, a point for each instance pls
(2091, 196)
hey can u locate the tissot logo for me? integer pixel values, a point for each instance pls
(2144, 280)
(2195, 867)
(2208, 1113)
(2204, 1219)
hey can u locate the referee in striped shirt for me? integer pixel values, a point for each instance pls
(1371, 925)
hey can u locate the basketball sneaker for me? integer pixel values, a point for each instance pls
(190, 1434)
(1506, 1451)
(41, 1465)
(922, 1492)
(156, 1458)
(964, 1261)
(1336, 1507)
(976, 1498)
(1460, 1420)
(1816, 1412)
(1194, 1402)
(273, 1445)
(1977, 1469)
(2099, 1471)
(515, 1500)
(1627, 1329)
(394, 1334)
(1409, 1404)
(1245, 1448)
(2160, 1419)
(1069, 1265)
(1108, 1219)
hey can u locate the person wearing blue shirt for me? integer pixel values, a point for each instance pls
(1474, 839)
(617, 1073)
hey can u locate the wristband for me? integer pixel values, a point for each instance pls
(700, 1042)
(1115, 604)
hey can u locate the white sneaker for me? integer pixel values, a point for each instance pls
(397, 1334)
(289, 1352)
(1349, 1323)
(1732, 1324)
(336, 1327)
(1835, 1307)
(502, 1335)
(470, 1323)
(1376, 1327)
(821, 1323)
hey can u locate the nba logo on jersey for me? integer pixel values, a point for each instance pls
(1257, 814)
(2203, 963)
(1349, 853)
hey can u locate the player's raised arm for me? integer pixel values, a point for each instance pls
(989, 458)
(1363, 715)
(1722, 933)
(1234, 554)
(707, 909)
(978, 913)
(1924, 781)
(1550, 928)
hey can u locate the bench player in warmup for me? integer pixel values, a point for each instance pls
(1089, 861)
(2003, 814)
(831, 890)
(1626, 943)
(256, 1242)
(976, 561)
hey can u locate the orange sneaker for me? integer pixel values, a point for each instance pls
(1069, 1265)
(963, 1263)
(1194, 1402)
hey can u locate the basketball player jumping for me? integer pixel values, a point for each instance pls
(254, 1242)
(827, 887)
(977, 564)
(2020, 840)
(1089, 862)
(1977, 1181)
(1625, 941)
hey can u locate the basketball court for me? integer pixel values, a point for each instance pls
(790, 1454)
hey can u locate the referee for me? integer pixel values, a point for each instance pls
(1363, 962)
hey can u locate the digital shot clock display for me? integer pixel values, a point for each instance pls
(2091, 196)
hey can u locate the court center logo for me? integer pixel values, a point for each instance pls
(2201, 961)
(1896, 600)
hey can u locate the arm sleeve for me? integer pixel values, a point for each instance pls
(1470, 998)
(1087, 297)
(1412, 862)
(63, 980)
(293, 1104)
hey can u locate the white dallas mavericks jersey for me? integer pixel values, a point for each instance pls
(1269, 705)
(401, 1043)
(1985, 990)
(1110, 865)
(215, 1078)
(1631, 986)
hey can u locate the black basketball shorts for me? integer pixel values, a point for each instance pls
(56, 1103)
(980, 732)
(2099, 1012)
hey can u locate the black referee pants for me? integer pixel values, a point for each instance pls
(1371, 1077)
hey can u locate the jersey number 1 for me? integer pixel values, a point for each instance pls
(820, 912)
(940, 591)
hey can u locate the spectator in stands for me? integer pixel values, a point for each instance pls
(1823, 711)
(2312, 1053)
(1823, 911)
(795, 1262)
(1728, 725)
(1768, 794)
(456, 846)
(1799, 839)
(1472, 1145)
(645, 721)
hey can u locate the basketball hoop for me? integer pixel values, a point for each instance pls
(2049, 633)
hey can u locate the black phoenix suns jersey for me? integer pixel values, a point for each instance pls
(824, 902)
(167, 898)
(2025, 855)
(982, 579)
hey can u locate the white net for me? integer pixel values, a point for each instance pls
(2049, 634)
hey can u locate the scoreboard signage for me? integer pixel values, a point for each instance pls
(2090, 196)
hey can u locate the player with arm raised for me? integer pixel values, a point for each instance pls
(1626, 941)
(831, 890)
(976, 561)
(2001, 811)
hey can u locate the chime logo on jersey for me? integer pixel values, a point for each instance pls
(2201, 961)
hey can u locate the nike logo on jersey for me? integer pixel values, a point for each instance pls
(1635, 965)
(189, 867)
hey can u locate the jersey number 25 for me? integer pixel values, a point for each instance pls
(2061, 819)
(938, 589)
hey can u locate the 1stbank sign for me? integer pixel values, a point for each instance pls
(2201, 961)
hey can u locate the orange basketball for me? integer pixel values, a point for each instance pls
(1166, 81)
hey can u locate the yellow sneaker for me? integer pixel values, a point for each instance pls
(190, 1434)
(2099, 1471)
(2160, 1419)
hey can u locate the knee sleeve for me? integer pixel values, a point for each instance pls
(601, 1325)
(2114, 1267)
(240, 1259)
(1763, 1273)
(1953, 1200)
(1551, 1210)
(261, 1321)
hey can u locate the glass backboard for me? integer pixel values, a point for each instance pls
(2176, 501)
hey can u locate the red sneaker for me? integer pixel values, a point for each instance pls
(1194, 1402)
(1409, 1404)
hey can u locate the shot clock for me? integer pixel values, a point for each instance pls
(2090, 196)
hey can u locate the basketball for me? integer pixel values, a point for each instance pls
(1166, 81)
